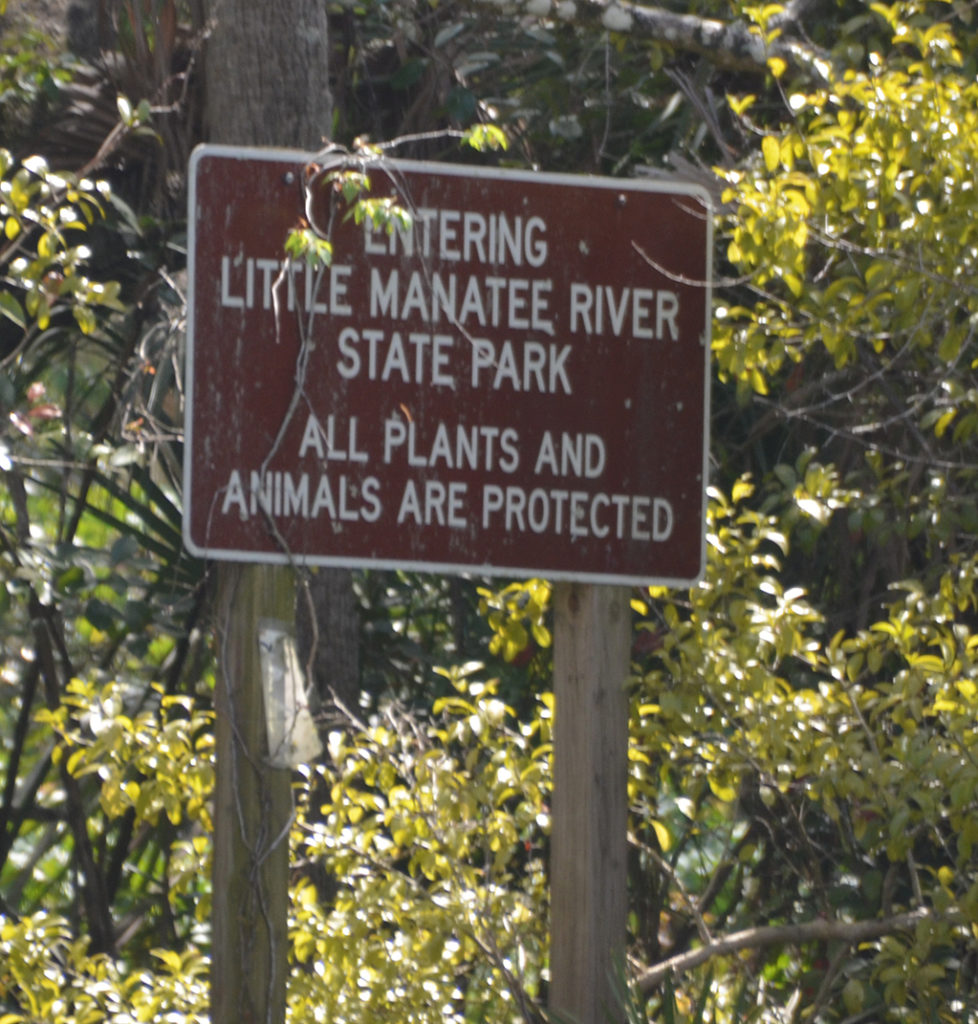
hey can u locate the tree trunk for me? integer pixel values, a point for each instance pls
(267, 73)
(266, 83)
(328, 630)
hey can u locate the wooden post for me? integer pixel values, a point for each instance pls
(589, 906)
(287, 104)
(252, 810)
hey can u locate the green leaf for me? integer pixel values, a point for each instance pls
(485, 136)
(85, 318)
(12, 309)
(661, 833)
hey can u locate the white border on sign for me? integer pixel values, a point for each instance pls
(301, 157)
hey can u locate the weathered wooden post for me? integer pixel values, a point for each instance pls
(252, 810)
(588, 897)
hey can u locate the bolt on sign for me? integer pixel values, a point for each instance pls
(508, 376)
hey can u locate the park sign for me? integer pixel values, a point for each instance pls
(511, 379)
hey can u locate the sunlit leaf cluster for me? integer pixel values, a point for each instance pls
(42, 258)
(430, 841)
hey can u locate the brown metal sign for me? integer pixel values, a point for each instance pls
(515, 382)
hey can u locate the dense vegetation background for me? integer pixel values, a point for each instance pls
(803, 776)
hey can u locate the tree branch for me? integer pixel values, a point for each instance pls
(733, 45)
(849, 932)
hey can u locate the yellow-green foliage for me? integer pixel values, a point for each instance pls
(838, 769)
(431, 839)
(150, 762)
(516, 615)
(153, 759)
(41, 216)
(419, 856)
(47, 972)
(856, 223)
